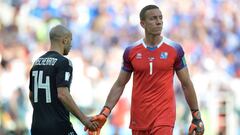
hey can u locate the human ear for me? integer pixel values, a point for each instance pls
(142, 24)
(65, 40)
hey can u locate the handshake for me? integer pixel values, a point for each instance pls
(100, 119)
(196, 126)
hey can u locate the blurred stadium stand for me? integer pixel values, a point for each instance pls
(209, 31)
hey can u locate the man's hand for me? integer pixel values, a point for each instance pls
(91, 125)
(90, 132)
(100, 119)
(197, 124)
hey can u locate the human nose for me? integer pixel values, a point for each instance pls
(159, 21)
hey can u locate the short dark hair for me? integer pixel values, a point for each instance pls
(57, 32)
(143, 11)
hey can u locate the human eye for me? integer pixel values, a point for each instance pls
(151, 18)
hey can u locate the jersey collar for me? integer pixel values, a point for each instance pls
(154, 47)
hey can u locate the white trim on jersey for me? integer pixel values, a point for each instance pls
(169, 41)
(69, 62)
(138, 42)
(141, 41)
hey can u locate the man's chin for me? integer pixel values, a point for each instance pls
(157, 33)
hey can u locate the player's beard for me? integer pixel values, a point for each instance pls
(65, 52)
(66, 49)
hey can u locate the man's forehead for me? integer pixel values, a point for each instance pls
(154, 12)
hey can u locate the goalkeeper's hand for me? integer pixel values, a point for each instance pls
(197, 124)
(89, 132)
(100, 119)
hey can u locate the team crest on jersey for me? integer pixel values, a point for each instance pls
(139, 56)
(163, 55)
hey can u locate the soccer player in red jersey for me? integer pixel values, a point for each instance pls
(153, 61)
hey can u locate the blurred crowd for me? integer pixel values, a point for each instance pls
(208, 30)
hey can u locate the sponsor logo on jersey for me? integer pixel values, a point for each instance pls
(139, 56)
(151, 58)
(163, 55)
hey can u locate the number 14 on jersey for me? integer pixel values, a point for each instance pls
(38, 84)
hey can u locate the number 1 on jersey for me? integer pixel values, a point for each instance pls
(151, 68)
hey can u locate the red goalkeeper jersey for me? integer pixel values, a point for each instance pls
(153, 99)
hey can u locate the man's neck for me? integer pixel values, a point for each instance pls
(56, 48)
(152, 41)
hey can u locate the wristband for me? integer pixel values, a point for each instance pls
(105, 111)
(196, 114)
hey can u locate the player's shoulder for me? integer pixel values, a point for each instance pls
(177, 46)
(171, 42)
(137, 43)
(134, 45)
(65, 61)
(61, 60)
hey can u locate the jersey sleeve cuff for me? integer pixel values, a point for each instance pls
(178, 69)
(127, 70)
